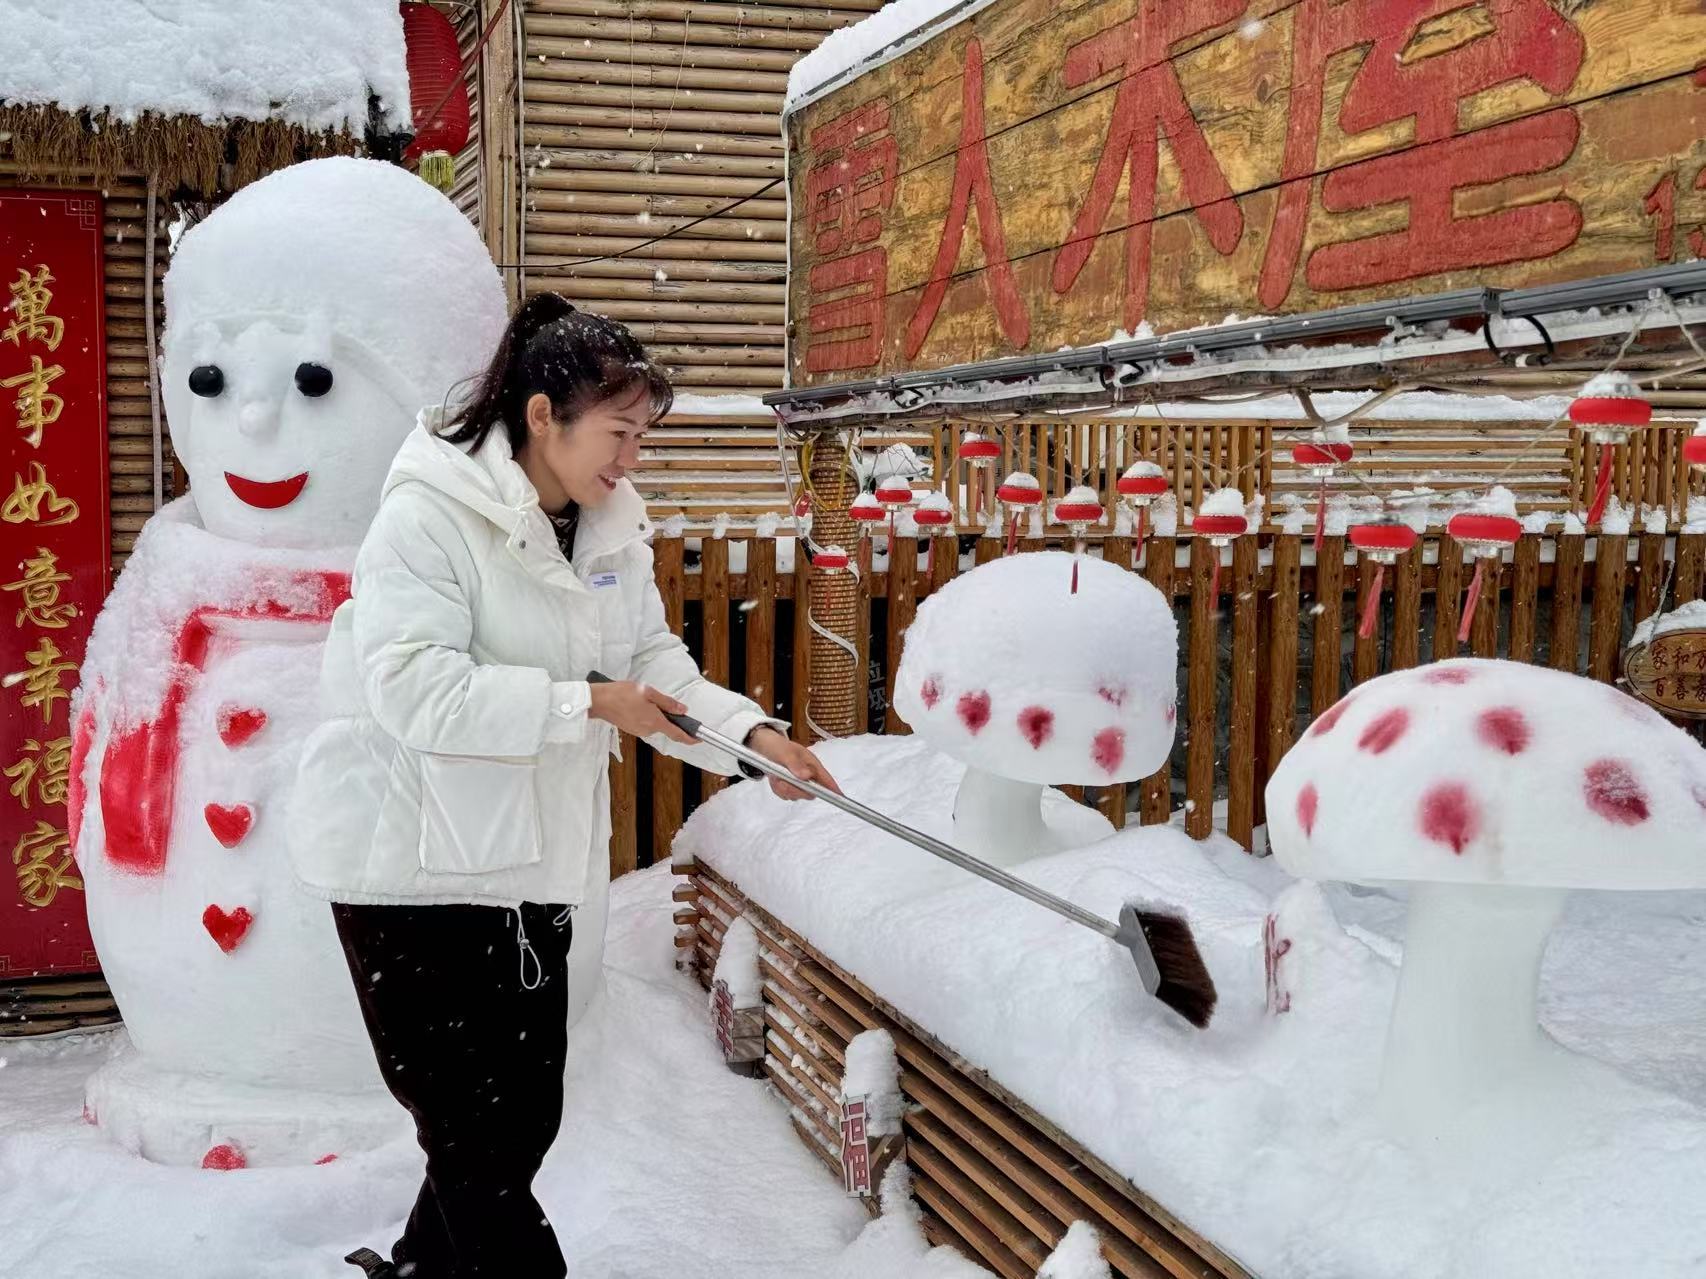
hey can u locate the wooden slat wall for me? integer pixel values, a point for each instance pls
(469, 190)
(642, 115)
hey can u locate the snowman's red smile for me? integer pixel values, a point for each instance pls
(269, 495)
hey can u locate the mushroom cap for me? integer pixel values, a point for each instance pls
(1489, 772)
(1005, 669)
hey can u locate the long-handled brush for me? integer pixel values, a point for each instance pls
(1158, 940)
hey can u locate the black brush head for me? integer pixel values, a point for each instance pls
(1186, 986)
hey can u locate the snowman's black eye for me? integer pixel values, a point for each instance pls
(207, 380)
(313, 380)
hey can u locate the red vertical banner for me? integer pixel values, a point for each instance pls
(55, 556)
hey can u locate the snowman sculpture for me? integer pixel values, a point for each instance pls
(308, 320)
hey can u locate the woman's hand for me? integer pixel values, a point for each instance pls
(797, 759)
(637, 709)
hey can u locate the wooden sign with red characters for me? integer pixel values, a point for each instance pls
(55, 555)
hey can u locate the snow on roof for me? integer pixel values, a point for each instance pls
(885, 35)
(312, 63)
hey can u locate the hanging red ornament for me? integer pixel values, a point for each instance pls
(1486, 535)
(1019, 493)
(1383, 541)
(831, 559)
(895, 493)
(1608, 409)
(1694, 448)
(1321, 460)
(1142, 483)
(867, 513)
(1078, 510)
(1221, 520)
(438, 96)
(933, 516)
(980, 453)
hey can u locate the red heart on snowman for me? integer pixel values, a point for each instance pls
(230, 823)
(237, 724)
(226, 927)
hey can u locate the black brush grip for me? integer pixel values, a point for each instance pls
(686, 723)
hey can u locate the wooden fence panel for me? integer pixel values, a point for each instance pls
(862, 593)
(759, 608)
(1649, 574)
(1282, 649)
(1202, 666)
(1407, 609)
(1605, 638)
(903, 607)
(1484, 629)
(1365, 649)
(714, 577)
(1448, 598)
(1329, 623)
(1690, 560)
(1241, 751)
(667, 813)
(1156, 805)
(1525, 596)
(1567, 601)
(803, 643)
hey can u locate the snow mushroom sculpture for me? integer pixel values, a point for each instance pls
(1032, 686)
(1491, 789)
(308, 320)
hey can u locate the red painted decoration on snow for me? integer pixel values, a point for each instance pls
(973, 711)
(1329, 718)
(238, 724)
(1112, 696)
(226, 927)
(1036, 725)
(89, 1115)
(930, 692)
(1107, 749)
(1699, 793)
(139, 769)
(1308, 802)
(1447, 675)
(1450, 815)
(325, 1159)
(230, 823)
(972, 182)
(224, 1158)
(267, 495)
(1384, 731)
(1504, 728)
(1612, 791)
(76, 793)
(1170, 713)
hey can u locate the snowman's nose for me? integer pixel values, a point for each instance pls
(257, 419)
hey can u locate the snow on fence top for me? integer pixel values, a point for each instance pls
(886, 34)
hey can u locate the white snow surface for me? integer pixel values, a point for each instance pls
(1689, 616)
(1223, 501)
(1257, 1130)
(872, 1072)
(1009, 670)
(903, 24)
(721, 406)
(663, 1154)
(1479, 772)
(312, 64)
(737, 965)
(1077, 1256)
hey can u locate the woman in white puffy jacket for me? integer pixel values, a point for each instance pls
(456, 806)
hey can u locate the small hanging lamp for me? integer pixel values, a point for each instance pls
(1694, 448)
(980, 453)
(1383, 541)
(1486, 535)
(1608, 409)
(1078, 510)
(895, 493)
(1141, 484)
(438, 96)
(934, 516)
(1321, 460)
(830, 559)
(1221, 520)
(1019, 493)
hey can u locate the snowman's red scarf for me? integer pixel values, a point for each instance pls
(139, 766)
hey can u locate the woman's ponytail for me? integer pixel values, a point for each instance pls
(575, 359)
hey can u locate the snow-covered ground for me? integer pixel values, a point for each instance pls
(666, 1165)
(1261, 1131)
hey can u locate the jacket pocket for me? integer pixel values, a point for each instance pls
(477, 814)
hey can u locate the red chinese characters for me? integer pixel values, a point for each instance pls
(848, 190)
(1400, 79)
(1149, 104)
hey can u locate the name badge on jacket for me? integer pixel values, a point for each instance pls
(602, 581)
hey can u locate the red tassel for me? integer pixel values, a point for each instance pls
(1137, 548)
(930, 560)
(1602, 486)
(1321, 515)
(1012, 531)
(1371, 610)
(1075, 574)
(1470, 601)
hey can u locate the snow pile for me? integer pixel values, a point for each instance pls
(1259, 1132)
(721, 406)
(888, 32)
(1689, 616)
(737, 965)
(312, 64)
(1077, 1256)
(1223, 501)
(1009, 670)
(873, 1073)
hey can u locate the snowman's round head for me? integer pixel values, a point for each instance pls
(308, 320)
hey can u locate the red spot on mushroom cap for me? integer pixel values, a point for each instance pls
(1386, 729)
(973, 710)
(224, 1157)
(1036, 725)
(1447, 674)
(1308, 801)
(1450, 815)
(930, 692)
(1612, 790)
(1170, 713)
(1108, 749)
(1330, 717)
(1504, 728)
(1111, 695)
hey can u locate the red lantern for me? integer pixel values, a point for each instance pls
(1220, 525)
(1018, 493)
(1608, 409)
(1694, 448)
(1141, 484)
(1383, 541)
(1485, 536)
(1321, 460)
(933, 516)
(438, 96)
(1078, 510)
(831, 559)
(980, 453)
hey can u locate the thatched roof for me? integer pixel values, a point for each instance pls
(180, 88)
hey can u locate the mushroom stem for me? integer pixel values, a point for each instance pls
(999, 819)
(1464, 1022)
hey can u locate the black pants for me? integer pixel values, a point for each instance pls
(476, 1056)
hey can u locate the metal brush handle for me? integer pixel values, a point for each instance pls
(1126, 932)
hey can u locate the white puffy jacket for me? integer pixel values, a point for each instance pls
(459, 763)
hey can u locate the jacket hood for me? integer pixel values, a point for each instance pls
(491, 483)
